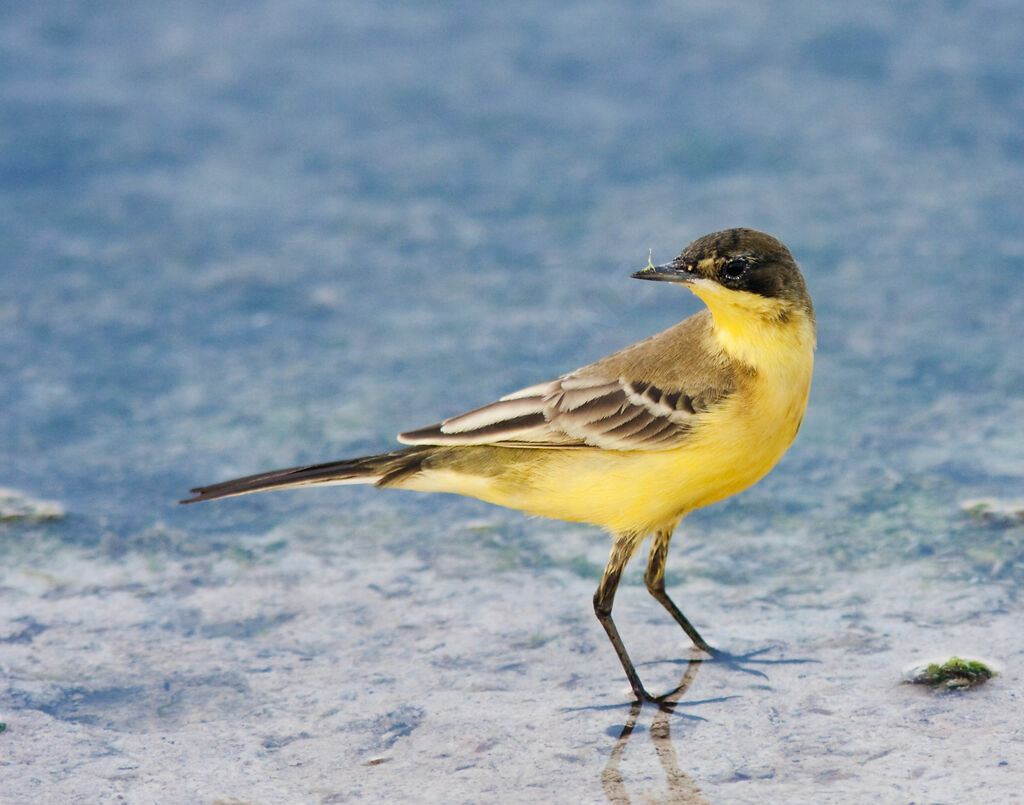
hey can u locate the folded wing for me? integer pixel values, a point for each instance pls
(578, 411)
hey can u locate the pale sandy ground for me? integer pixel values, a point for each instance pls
(330, 668)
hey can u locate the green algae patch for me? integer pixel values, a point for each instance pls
(953, 674)
(16, 505)
(1003, 513)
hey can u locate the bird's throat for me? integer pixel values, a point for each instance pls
(765, 334)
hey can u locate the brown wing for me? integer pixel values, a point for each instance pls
(576, 411)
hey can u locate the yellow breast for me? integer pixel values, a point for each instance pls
(639, 491)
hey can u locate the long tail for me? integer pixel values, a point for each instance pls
(383, 470)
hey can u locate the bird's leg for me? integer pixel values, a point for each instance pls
(622, 550)
(655, 580)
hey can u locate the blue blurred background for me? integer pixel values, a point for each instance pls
(245, 234)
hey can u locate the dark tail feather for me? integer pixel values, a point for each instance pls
(382, 470)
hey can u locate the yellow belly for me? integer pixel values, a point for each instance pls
(637, 491)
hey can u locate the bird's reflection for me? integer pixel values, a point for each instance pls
(681, 789)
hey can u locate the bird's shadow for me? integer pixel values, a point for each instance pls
(739, 662)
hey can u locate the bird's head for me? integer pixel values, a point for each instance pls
(738, 271)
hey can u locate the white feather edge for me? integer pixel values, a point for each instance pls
(462, 429)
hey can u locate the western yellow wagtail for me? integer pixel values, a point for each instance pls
(635, 441)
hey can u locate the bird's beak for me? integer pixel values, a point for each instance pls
(669, 272)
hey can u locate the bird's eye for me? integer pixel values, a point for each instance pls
(735, 268)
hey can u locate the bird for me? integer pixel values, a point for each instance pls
(635, 441)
